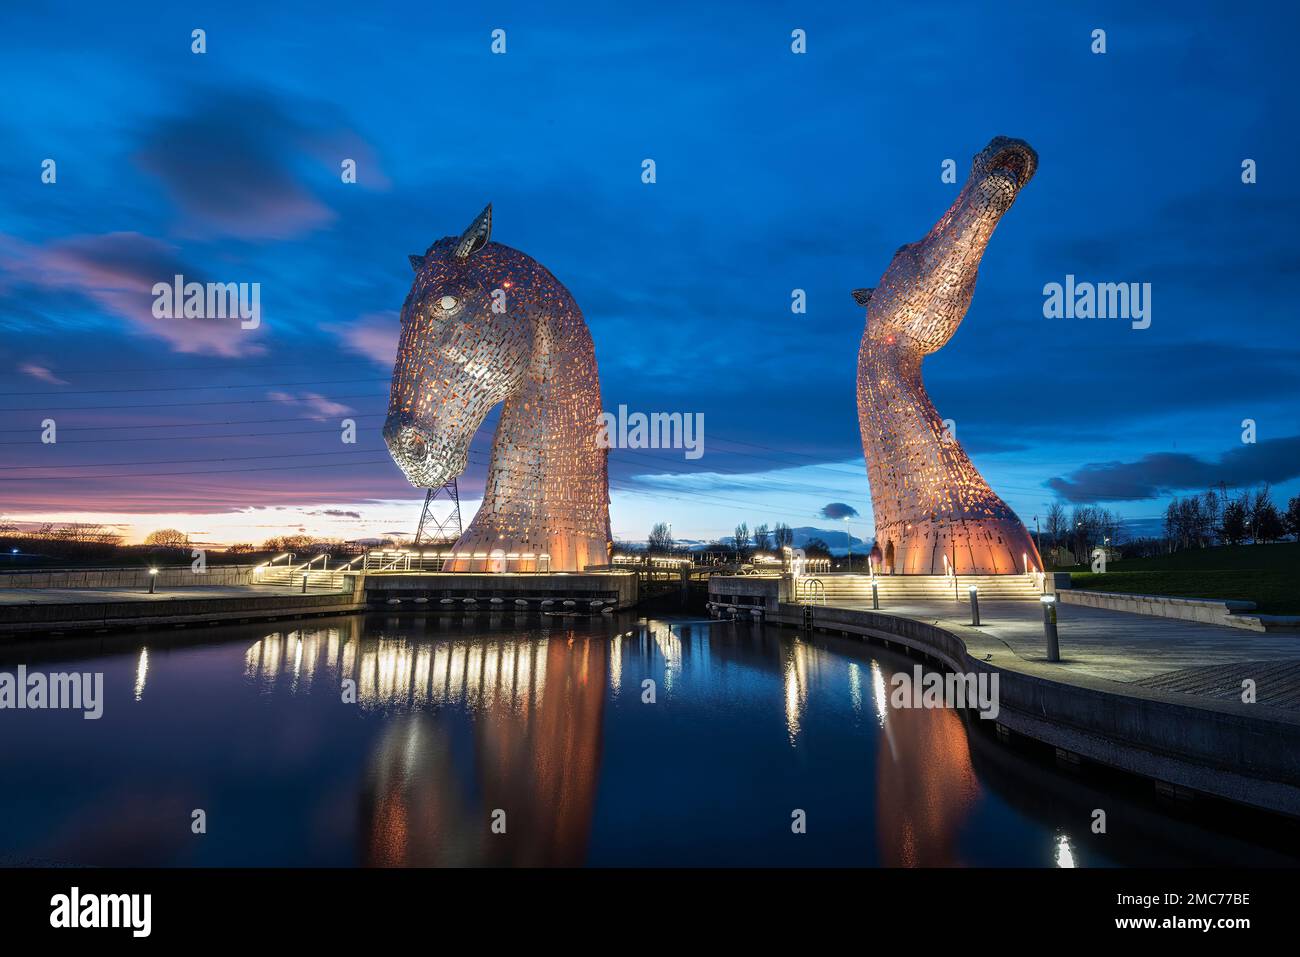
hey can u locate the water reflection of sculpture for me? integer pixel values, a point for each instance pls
(429, 790)
(485, 324)
(932, 507)
(533, 756)
(925, 784)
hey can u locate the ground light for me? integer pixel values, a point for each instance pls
(153, 579)
(974, 605)
(1049, 627)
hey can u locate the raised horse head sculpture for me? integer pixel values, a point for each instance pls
(485, 324)
(933, 509)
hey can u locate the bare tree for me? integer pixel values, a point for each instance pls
(1057, 522)
(742, 541)
(167, 538)
(660, 541)
(761, 534)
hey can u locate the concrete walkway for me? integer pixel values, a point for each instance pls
(80, 596)
(1106, 644)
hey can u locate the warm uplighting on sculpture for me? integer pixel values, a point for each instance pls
(934, 511)
(486, 324)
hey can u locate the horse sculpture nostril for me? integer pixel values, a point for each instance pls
(406, 443)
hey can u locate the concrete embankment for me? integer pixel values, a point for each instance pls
(169, 576)
(116, 598)
(68, 610)
(434, 591)
(1215, 745)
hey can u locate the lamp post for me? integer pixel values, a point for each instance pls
(1049, 627)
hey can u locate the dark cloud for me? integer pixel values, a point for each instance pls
(1159, 474)
(239, 164)
(839, 510)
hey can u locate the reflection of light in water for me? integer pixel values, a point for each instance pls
(1064, 856)
(395, 673)
(616, 664)
(296, 638)
(855, 686)
(670, 647)
(791, 701)
(881, 698)
(878, 692)
(799, 662)
(141, 669)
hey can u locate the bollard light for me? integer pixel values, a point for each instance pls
(974, 605)
(1049, 627)
(153, 579)
(875, 595)
(304, 584)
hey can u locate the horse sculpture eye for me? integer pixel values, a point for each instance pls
(447, 303)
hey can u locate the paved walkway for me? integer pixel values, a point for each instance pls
(1116, 645)
(91, 596)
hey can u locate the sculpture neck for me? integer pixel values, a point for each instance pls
(547, 489)
(934, 468)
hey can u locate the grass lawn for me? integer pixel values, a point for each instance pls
(1268, 575)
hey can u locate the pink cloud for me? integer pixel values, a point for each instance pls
(118, 271)
(374, 336)
(314, 404)
(41, 372)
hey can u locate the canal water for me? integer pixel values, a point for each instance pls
(462, 727)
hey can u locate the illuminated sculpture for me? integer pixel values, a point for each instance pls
(485, 324)
(933, 509)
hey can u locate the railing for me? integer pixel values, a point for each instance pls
(418, 560)
(808, 590)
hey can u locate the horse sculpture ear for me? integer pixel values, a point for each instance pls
(862, 296)
(477, 236)
(417, 262)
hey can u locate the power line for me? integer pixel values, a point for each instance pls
(224, 367)
(199, 388)
(232, 458)
(203, 474)
(172, 405)
(181, 438)
(186, 425)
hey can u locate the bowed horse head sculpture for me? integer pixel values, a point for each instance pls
(483, 325)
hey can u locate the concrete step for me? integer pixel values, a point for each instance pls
(287, 579)
(919, 587)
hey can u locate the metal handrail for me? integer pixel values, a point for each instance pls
(810, 593)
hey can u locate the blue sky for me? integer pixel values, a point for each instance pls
(775, 171)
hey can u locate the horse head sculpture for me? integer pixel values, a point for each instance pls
(934, 512)
(483, 325)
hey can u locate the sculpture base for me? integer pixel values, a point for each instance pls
(984, 547)
(483, 551)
